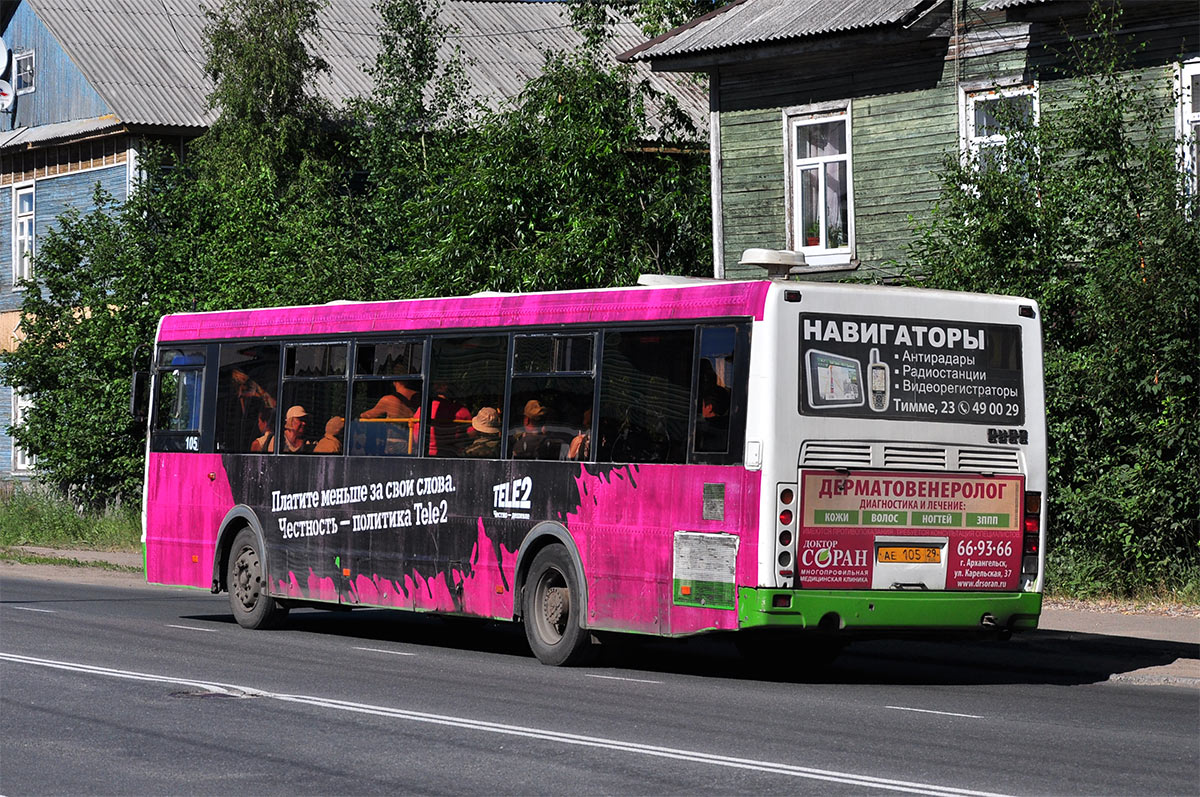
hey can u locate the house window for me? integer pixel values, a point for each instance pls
(990, 115)
(21, 461)
(23, 241)
(822, 197)
(1189, 120)
(23, 69)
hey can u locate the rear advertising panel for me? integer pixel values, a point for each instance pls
(910, 369)
(920, 531)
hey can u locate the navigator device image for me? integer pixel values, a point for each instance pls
(880, 377)
(833, 380)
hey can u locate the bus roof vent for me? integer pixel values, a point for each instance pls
(989, 460)
(833, 454)
(778, 263)
(918, 457)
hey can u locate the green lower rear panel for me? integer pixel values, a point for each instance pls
(760, 608)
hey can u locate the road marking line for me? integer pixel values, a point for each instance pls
(943, 713)
(31, 609)
(391, 652)
(615, 678)
(636, 748)
(194, 628)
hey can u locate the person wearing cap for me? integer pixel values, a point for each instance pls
(294, 426)
(532, 441)
(486, 429)
(331, 443)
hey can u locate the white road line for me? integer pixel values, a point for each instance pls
(391, 652)
(193, 628)
(635, 748)
(931, 711)
(615, 678)
(31, 609)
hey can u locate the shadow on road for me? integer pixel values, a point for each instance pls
(1035, 657)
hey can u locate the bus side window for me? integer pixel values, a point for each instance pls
(388, 386)
(178, 400)
(247, 383)
(645, 396)
(553, 390)
(466, 375)
(714, 390)
(313, 409)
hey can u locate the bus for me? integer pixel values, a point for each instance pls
(794, 462)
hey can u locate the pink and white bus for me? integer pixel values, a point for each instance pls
(792, 461)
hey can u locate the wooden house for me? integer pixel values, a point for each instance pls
(829, 119)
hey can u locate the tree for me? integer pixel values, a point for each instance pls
(1089, 213)
(559, 190)
(655, 17)
(80, 326)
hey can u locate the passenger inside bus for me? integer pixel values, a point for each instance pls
(294, 428)
(331, 443)
(712, 423)
(396, 411)
(266, 432)
(484, 434)
(531, 440)
(448, 423)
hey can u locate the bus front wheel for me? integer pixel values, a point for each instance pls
(550, 605)
(247, 580)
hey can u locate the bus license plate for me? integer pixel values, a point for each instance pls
(909, 554)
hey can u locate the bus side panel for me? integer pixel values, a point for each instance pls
(626, 526)
(188, 497)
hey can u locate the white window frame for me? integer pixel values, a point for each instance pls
(970, 142)
(24, 81)
(21, 461)
(24, 233)
(1187, 120)
(819, 255)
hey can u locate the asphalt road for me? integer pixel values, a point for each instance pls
(116, 688)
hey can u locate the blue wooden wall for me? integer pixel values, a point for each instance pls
(60, 92)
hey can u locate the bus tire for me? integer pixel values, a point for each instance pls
(549, 603)
(248, 581)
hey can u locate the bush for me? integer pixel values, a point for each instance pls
(33, 515)
(1090, 214)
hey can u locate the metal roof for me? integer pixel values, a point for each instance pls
(76, 128)
(146, 57)
(746, 22)
(996, 5)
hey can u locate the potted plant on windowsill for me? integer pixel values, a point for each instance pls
(837, 237)
(812, 235)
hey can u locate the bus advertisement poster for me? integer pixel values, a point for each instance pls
(875, 530)
(911, 369)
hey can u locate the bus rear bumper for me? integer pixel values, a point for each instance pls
(846, 610)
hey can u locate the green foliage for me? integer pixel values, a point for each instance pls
(261, 67)
(556, 191)
(31, 516)
(655, 17)
(1089, 213)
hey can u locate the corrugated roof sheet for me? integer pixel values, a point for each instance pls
(59, 131)
(758, 21)
(146, 57)
(996, 5)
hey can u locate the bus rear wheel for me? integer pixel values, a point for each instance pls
(247, 580)
(550, 609)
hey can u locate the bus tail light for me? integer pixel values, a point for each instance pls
(785, 532)
(1032, 543)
